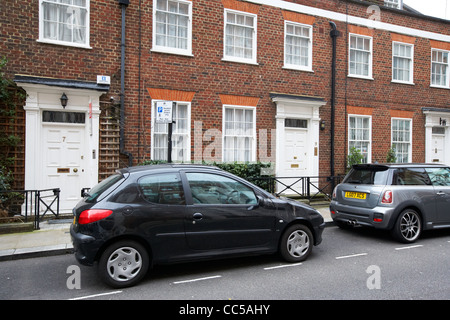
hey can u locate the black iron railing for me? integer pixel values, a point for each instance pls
(308, 188)
(30, 204)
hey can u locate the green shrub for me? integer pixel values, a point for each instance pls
(391, 158)
(354, 157)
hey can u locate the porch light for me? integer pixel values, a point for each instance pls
(64, 100)
(322, 125)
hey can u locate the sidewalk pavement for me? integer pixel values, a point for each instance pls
(54, 239)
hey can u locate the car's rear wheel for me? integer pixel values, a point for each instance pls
(296, 243)
(123, 264)
(408, 226)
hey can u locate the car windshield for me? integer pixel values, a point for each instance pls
(96, 191)
(375, 175)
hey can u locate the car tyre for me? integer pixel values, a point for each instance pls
(408, 226)
(123, 264)
(296, 243)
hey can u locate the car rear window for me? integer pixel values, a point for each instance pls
(100, 188)
(376, 175)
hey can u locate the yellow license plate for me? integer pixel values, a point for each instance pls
(356, 195)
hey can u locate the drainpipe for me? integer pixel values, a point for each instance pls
(334, 33)
(123, 4)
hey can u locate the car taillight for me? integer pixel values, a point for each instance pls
(92, 215)
(387, 197)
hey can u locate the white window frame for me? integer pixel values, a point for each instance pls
(287, 65)
(368, 154)
(233, 58)
(249, 134)
(396, 4)
(410, 144)
(370, 52)
(187, 151)
(411, 62)
(42, 37)
(447, 73)
(168, 49)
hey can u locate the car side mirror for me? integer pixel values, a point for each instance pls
(261, 201)
(85, 192)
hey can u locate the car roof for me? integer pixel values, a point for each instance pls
(399, 165)
(166, 166)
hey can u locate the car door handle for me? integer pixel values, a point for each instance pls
(197, 216)
(440, 193)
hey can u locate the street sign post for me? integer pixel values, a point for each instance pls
(164, 115)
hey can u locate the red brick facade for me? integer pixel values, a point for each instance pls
(206, 78)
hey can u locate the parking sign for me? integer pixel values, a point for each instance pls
(164, 112)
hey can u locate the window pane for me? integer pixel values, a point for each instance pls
(239, 125)
(360, 56)
(439, 176)
(65, 21)
(209, 188)
(63, 117)
(239, 36)
(412, 176)
(297, 45)
(162, 189)
(172, 24)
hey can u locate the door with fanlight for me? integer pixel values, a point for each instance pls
(296, 157)
(438, 144)
(63, 155)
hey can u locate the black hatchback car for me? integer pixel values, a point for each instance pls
(163, 214)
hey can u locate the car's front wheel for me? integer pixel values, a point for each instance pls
(123, 264)
(408, 226)
(296, 243)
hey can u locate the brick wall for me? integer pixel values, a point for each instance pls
(206, 74)
(20, 32)
(209, 76)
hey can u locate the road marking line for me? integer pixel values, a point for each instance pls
(96, 295)
(409, 247)
(352, 255)
(283, 266)
(199, 279)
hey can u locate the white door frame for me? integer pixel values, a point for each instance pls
(434, 118)
(45, 97)
(298, 107)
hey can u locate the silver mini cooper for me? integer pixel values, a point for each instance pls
(403, 198)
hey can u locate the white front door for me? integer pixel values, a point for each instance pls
(296, 153)
(437, 148)
(63, 162)
(295, 161)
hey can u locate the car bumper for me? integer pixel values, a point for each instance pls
(377, 217)
(318, 230)
(85, 247)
